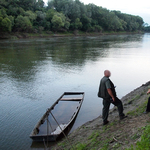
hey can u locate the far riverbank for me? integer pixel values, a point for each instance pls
(21, 35)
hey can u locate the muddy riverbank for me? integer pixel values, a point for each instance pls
(117, 134)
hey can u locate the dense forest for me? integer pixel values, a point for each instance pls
(63, 15)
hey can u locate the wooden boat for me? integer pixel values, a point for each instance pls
(59, 118)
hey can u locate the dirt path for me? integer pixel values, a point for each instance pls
(117, 134)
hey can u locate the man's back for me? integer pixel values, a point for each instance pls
(102, 88)
(105, 84)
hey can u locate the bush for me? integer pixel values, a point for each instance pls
(23, 23)
(32, 16)
(5, 24)
(98, 28)
(57, 22)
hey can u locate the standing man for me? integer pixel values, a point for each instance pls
(108, 93)
(148, 104)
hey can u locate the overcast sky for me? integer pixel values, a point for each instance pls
(134, 7)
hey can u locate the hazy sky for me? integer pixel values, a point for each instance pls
(134, 7)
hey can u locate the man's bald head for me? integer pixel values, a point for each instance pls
(107, 73)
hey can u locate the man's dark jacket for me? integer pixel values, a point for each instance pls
(103, 93)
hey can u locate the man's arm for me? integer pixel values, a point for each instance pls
(111, 94)
(148, 92)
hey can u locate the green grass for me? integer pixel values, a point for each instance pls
(105, 147)
(61, 144)
(117, 145)
(94, 142)
(144, 144)
(80, 146)
(95, 134)
(139, 110)
(133, 99)
(135, 136)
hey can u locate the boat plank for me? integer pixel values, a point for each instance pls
(70, 99)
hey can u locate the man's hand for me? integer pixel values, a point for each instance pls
(113, 99)
(111, 94)
(148, 92)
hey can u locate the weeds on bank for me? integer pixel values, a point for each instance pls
(138, 110)
(133, 99)
(94, 142)
(80, 146)
(144, 144)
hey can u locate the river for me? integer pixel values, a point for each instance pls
(35, 72)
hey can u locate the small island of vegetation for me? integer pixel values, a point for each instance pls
(67, 16)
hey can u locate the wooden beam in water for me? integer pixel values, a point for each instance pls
(70, 99)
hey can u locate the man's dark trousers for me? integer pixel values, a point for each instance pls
(148, 105)
(106, 105)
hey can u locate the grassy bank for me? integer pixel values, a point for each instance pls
(131, 133)
(44, 34)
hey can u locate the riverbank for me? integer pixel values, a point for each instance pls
(21, 35)
(117, 135)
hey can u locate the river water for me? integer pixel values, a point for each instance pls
(35, 72)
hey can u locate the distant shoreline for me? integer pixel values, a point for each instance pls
(20, 35)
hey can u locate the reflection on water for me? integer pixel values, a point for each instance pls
(63, 112)
(35, 72)
(23, 56)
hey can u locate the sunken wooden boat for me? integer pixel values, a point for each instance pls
(59, 118)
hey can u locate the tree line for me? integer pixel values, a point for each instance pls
(63, 15)
(147, 28)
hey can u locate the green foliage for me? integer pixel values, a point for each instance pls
(117, 145)
(3, 13)
(38, 5)
(32, 16)
(144, 144)
(11, 18)
(5, 24)
(77, 24)
(57, 22)
(81, 146)
(86, 21)
(1, 18)
(67, 25)
(145, 139)
(147, 29)
(27, 4)
(139, 110)
(15, 11)
(3, 3)
(133, 99)
(49, 14)
(23, 23)
(67, 15)
(40, 15)
(97, 28)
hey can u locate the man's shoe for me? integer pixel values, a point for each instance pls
(146, 112)
(106, 122)
(123, 117)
